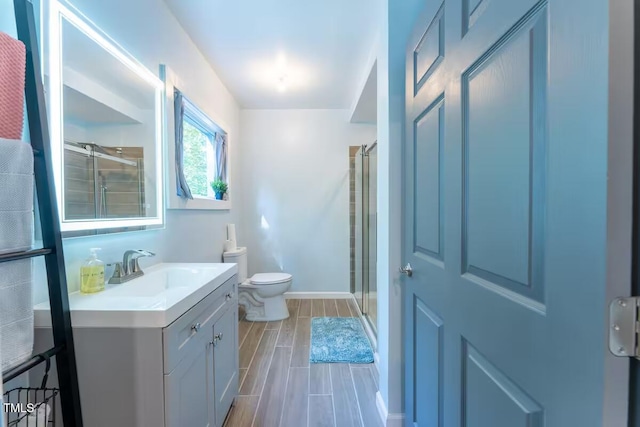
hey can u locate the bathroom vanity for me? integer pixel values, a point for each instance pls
(160, 350)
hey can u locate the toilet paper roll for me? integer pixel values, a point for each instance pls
(231, 232)
(230, 245)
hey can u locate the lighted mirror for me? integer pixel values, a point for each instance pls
(106, 129)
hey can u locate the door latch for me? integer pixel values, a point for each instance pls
(407, 270)
(624, 327)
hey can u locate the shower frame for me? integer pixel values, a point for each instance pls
(365, 235)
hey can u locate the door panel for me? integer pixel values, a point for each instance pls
(428, 346)
(505, 225)
(491, 399)
(225, 363)
(428, 140)
(189, 390)
(429, 52)
(504, 135)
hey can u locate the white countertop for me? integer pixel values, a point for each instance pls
(155, 300)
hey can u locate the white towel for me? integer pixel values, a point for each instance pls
(3, 421)
(16, 234)
(39, 417)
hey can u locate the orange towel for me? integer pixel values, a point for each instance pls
(12, 69)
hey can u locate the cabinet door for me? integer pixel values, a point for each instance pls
(189, 390)
(225, 332)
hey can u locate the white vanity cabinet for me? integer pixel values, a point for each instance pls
(181, 375)
(201, 362)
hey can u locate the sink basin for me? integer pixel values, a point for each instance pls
(158, 281)
(156, 299)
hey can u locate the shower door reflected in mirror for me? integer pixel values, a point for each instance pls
(103, 182)
(364, 190)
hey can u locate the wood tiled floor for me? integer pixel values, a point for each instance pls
(278, 386)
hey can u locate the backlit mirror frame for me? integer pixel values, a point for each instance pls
(57, 12)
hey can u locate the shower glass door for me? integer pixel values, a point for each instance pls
(359, 229)
(365, 287)
(371, 158)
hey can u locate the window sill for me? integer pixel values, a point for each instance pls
(199, 203)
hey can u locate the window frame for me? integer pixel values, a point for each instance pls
(212, 123)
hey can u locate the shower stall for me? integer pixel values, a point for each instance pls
(103, 182)
(364, 222)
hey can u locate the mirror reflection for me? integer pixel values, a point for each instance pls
(111, 142)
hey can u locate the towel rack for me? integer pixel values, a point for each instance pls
(63, 348)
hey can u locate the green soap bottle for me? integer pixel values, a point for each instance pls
(92, 274)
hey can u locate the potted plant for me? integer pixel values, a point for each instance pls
(219, 187)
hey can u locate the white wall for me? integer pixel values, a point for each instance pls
(150, 33)
(396, 22)
(296, 171)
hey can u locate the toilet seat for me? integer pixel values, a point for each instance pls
(269, 278)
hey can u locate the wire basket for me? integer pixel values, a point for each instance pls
(31, 407)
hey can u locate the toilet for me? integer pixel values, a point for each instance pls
(262, 295)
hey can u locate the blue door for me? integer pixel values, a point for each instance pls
(505, 216)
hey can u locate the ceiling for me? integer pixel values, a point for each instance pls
(284, 53)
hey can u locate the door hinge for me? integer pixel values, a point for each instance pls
(623, 326)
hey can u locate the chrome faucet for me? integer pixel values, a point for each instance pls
(129, 268)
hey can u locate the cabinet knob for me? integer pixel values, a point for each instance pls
(216, 338)
(196, 327)
(229, 295)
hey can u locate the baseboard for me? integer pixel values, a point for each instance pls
(388, 420)
(317, 295)
(372, 336)
(395, 420)
(382, 408)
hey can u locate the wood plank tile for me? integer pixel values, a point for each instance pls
(293, 305)
(241, 374)
(274, 325)
(301, 343)
(242, 412)
(305, 308)
(375, 374)
(257, 373)
(355, 312)
(321, 411)
(320, 379)
(330, 308)
(288, 328)
(317, 308)
(343, 308)
(243, 329)
(295, 409)
(344, 397)
(366, 392)
(273, 395)
(248, 347)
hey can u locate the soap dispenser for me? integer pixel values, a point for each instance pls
(92, 274)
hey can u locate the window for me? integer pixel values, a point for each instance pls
(199, 151)
(199, 160)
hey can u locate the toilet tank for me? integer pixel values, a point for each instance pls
(238, 256)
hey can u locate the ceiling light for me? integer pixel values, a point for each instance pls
(282, 84)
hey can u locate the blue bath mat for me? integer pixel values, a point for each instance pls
(339, 340)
